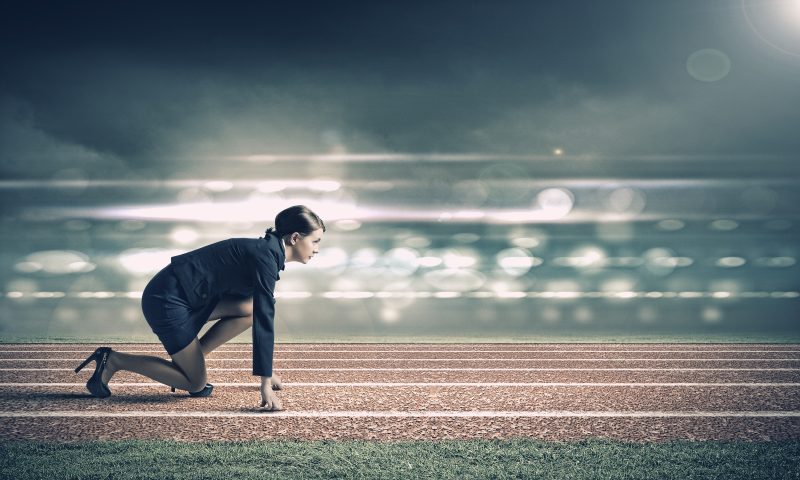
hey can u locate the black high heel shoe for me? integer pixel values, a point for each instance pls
(95, 383)
(202, 393)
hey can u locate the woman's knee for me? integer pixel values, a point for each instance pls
(197, 379)
(198, 383)
(192, 363)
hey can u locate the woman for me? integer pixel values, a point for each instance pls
(232, 281)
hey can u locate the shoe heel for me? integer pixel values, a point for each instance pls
(86, 362)
(95, 384)
(205, 392)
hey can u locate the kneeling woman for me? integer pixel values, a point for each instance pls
(232, 281)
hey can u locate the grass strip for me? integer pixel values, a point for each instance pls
(447, 459)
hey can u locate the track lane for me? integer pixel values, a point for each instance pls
(402, 401)
(365, 347)
(450, 363)
(402, 427)
(309, 355)
(467, 375)
(413, 398)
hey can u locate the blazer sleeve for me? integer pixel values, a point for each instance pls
(264, 314)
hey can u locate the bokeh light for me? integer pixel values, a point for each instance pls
(401, 261)
(333, 260)
(670, 225)
(347, 225)
(730, 262)
(724, 225)
(146, 261)
(554, 203)
(416, 241)
(455, 279)
(660, 261)
(460, 257)
(184, 235)
(515, 261)
(708, 65)
(57, 262)
(625, 200)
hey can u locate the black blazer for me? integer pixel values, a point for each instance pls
(242, 267)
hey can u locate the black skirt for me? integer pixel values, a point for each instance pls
(170, 317)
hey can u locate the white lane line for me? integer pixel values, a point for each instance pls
(407, 414)
(430, 384)
(533, 369)
(453, 359)
(424, 351)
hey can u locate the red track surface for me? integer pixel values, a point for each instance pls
(639, 392)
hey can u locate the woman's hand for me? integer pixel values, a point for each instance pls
(269, 400)
(276, 382)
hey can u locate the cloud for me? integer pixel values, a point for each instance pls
(27, 151)
(435, 78)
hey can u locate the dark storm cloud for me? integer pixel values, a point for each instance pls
(102, 85)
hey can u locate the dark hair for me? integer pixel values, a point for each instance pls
(296, 219)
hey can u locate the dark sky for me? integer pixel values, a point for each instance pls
(651, 89)
(116, 87)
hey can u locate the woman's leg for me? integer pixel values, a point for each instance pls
(235, 316)
(187, 371)
(192, 363)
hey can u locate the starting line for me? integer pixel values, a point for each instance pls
(406, 414)
(455, 369)
(278, 350)
(434, 384)
(453, 359)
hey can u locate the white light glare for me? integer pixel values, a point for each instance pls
(184, 235)
(793, 9)
(555, 203)
(218, 185)
(456, 259)
(247, 211)
(143, 261)
(515, 261)
(324, 185)
(731, 262)
(429, 262)
(56, 262)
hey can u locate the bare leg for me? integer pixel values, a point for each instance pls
(192, 363)
(187, 371)
(235, 316)
(240, 319)
(224, 330)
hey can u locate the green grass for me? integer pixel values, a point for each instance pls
(517, 458)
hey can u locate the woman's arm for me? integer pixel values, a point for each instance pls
(266, 274)
(269, 401)
(264, 316)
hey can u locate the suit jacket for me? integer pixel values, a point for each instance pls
(242, 267)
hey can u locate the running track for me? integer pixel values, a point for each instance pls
(634, 392)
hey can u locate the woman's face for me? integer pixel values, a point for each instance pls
(305, 248)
